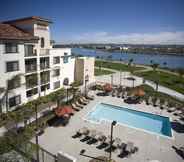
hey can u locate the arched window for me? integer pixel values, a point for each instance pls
(66, 81)
(42, 42)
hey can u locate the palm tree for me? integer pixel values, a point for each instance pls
(155, 66)
(4, 91)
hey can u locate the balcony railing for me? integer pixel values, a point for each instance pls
(44, 66)
(44, 52)
(30, 68)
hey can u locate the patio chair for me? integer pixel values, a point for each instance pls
(150, 101)
(123, 152)
(165, 105)
(75, 107)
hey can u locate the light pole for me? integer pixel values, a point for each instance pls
(86, 80)
(112, 125)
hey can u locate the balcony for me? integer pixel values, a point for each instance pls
(29, 51)
(44, 52)
(45, 77)
(31, 81)
(44, 63)
(30, 65)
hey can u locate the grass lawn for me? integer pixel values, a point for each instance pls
(168, 80)
(115, 65)
(102, 72)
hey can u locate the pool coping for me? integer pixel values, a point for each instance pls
(126, 125)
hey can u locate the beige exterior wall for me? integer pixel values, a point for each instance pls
(84, 66)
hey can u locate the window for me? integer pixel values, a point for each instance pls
(14, 83)
(56, 60)
(29, 51)
(12, 66)
(45, 77)
(14, 101)
(65, 59)
(31, 92)
(45, 87)
(56, 72)
(11, 48)
(57, 85)
(42, 42)
(31, 80)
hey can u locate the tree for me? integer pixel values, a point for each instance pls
(155, 66)
(4, 91)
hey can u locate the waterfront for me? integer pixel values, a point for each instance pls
(172, 61)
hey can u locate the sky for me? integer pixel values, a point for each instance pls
(105, 21)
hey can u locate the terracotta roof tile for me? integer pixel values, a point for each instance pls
(8, 31)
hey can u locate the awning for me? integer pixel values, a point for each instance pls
(107, 87)
(64, 110)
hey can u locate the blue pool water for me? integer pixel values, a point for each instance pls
(150, 122)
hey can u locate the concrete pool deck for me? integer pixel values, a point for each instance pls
(151, 146)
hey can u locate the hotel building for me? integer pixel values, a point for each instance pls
(29, 66)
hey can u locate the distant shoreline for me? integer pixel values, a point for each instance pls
(130, 52)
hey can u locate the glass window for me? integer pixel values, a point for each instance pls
(56, 60)
(57, 85)
(56, 72)
(12, 66)
(11, 48)
(14, 101)
(42, 42)
(14, 83)
(45, 87)
(29, 51)
(31, 92)
(65, 59)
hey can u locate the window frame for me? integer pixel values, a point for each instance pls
(12, 62)
(11, 52)
(14, 97)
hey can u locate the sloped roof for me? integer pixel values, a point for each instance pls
(10, 32)
(38, 18)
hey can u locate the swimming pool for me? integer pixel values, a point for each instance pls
(137, 119)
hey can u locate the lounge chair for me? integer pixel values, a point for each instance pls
(157, 102)
(171, 109)
(119, 94)
(150, 101)
(165, 105)
(78, 104)
(115, 145)
(114, 93)
(84, 99)
(80, 132)
(75, 107)
(102, 142)
(94, 137)
(81, 101)
(90, 97)
(130, 148)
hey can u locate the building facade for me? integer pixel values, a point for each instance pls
(29, 67)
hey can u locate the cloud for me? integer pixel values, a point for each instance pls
(133, 38)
